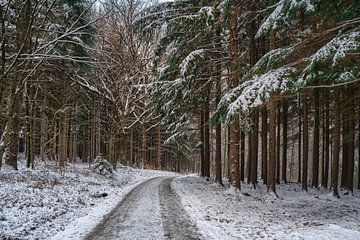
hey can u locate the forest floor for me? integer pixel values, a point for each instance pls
(144, 204)
(45, 203)
(223, 213)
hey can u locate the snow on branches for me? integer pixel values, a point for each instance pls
(282, 12)
(256, 91)
(270, 59)
(336, 49)
(189, 61)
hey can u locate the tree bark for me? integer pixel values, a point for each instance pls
(242, 155)
(336, 148)
(158, 147)
(249, 156)
(218, 174)
(278, 138)
(254, 148)
(271, 184)
(351, 141)
(264, 143)
(305, 143)
(345, 132)
(359, 148)
(299, 139)
(234, 81)
(316, 140)
(207, 142)
(327, 138)
(285, 139)
(144, 160)
(202, 140)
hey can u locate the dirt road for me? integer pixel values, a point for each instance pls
(152, 210)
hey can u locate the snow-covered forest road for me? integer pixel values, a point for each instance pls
(151, 210)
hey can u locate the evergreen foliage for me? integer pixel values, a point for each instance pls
(103, 167)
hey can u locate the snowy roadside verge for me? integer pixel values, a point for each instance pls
(223, 213)
(45, 203)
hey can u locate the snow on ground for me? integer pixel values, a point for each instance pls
(223, 213)
(45, 203)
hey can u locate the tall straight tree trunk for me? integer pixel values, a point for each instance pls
(345, 133)
(92, 135)
(29, 128)
(158, 147)
(249, 156)
(278, 138)
(271, 176)
(242, 155)
(218, 173)
(299, 139)
(98, 133)
(234, 81)
(22, 44)
(144, 146)
(44, 123)
(254, 148)
(264, 143)
(62, 141)
(322, 136)
(285, 134)
(359, 148)
(316, 140)
(305, 143)
(336, 148)
(202, 140)
(207, 142)
(351, 141)
(327, 138)
(131, 142)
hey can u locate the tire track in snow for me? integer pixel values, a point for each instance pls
(176, 222)
(137, 216)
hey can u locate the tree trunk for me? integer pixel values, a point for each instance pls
(158, 147)
(254, 148)
(305, 143)
(351, 141)
(316, 140)
(29, 129)
(299, 139)
(359, 149)
(336, 148)
(264, 143)
(327, 138)
(249, 157)
(62, 141)
(218, 175)
(207, 142)
(278, 138)
(218, 152)
(271, 185)
(202, 140)
(285, 134)
(234, 81)
(345, 132)
(242, 155)
(234, 153)
(144, 147)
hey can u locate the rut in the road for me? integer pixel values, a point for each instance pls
(177, 223)
(137, 216)
(140, 216)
